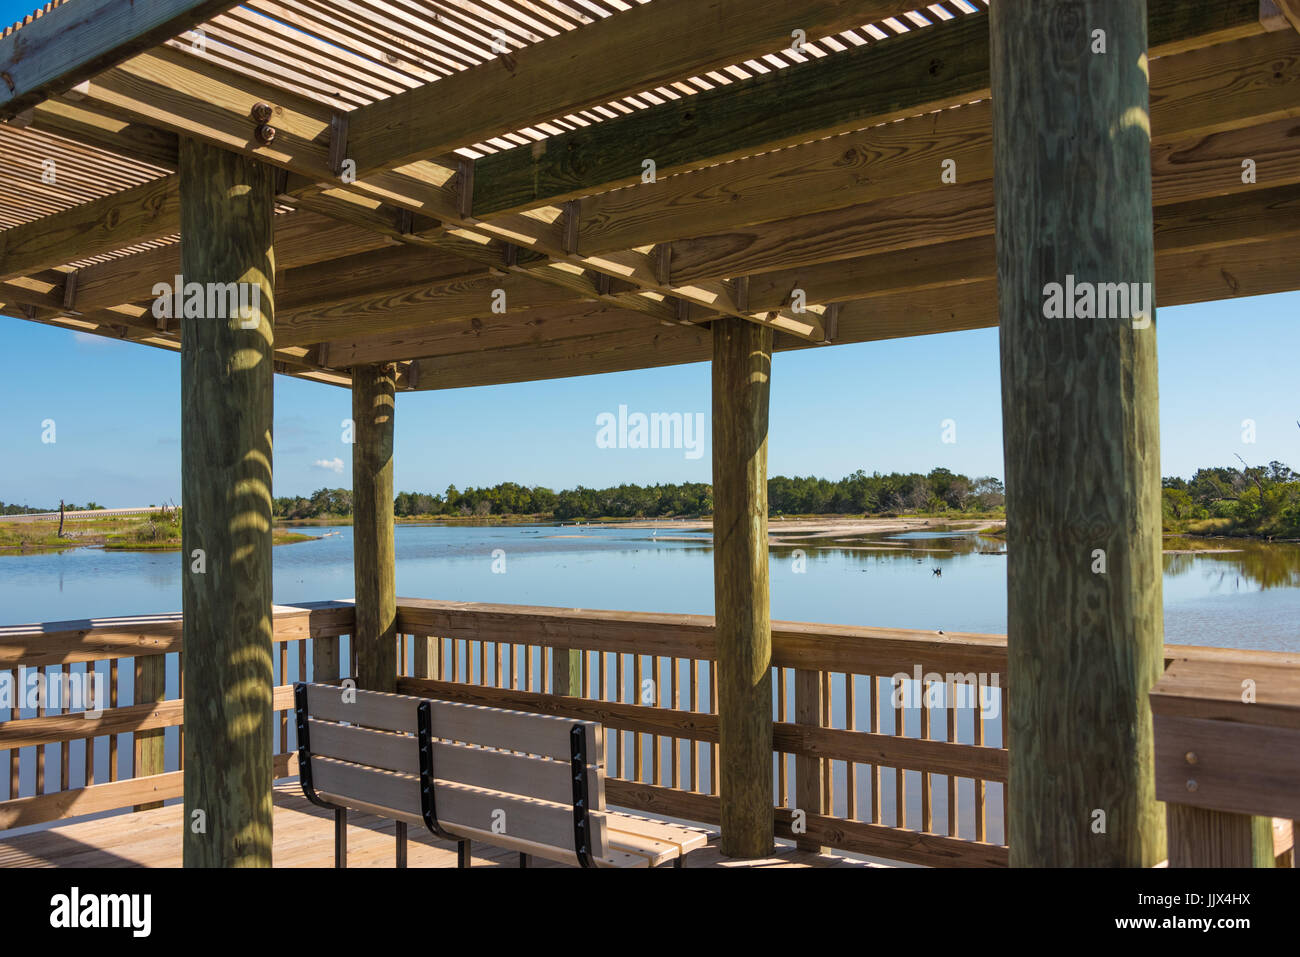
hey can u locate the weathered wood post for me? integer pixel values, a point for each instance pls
(227, 205)
(742, 366)
(150, 746)
(1080, 428)
(375, 636)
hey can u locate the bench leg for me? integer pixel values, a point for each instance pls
(679, 862)
(523, 860)
(462, 853)
(340, 837)
(401, 843)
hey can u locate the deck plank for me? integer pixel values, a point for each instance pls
(303, 837)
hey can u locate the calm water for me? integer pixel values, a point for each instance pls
(1249, 598)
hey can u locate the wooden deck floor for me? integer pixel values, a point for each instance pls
(304, 837)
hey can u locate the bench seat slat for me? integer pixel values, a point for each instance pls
(459, 806)
(540, 734)
(685, 838)
(486, 768)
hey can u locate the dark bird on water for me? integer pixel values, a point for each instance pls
(938, 571)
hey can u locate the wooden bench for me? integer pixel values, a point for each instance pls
(526, 782)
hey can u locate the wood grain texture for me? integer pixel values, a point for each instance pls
(149, 746)
(944, 65)
(742, 370)
(1080, 433)
(609, 58)
(1201, 838)
(148, 211)
(78, 40)
(375, 638)
(226, 422)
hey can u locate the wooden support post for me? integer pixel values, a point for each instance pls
(566, 672)
(809, 706)
(375, 636)
(150, 753)
(1203, 838)
(1072, 158)
(742, 365)
(227, 209)
(325, 658)
(426, 664)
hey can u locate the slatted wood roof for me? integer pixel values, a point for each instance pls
(501, 145)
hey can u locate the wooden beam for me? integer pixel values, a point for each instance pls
(1084, 632)
(301, 239)
(226, 418)
(742, 369)
(530, 327)
(1234, 85)
(943, 65)
(373, 407)
(75, 41)
(1201, 275)
(417, 305)
(626, 53)
(141, 213)
(1255, 216)
(136, 141)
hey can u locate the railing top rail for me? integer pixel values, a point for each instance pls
(795, 644)
(93, 639)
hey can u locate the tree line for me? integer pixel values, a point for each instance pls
(1261, 499)
(875, 494)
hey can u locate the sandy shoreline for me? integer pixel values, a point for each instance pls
(805, 528)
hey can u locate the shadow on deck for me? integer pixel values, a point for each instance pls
(304, 837)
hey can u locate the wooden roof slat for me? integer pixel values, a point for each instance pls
(621, 55)
(339, 63)
(340, 32)
(860, 88)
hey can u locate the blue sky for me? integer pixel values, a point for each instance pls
(876, 406)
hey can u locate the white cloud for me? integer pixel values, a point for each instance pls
(330, 465)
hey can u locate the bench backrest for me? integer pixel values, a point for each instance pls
(498, 773)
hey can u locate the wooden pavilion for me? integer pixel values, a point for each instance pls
(437, 194)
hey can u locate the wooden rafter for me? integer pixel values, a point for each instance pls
(75, 41)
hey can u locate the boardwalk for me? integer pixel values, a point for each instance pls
(304, 837)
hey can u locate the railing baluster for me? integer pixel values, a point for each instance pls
(618, 735)
(828, 780)
(874, 728)
(284, 715)
(783, 797)
(636, 699)
(655, 740)
(809, 776)
(695, 706)
(950, 691)
(900, 776)
(713, 746)
(850, 770)
(676, 742)
(927, 811)
(88, 682)
(15, 754)
(981, 832)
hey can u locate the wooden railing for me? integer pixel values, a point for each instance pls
(918, 780)
(64, 763)
(854, 769)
